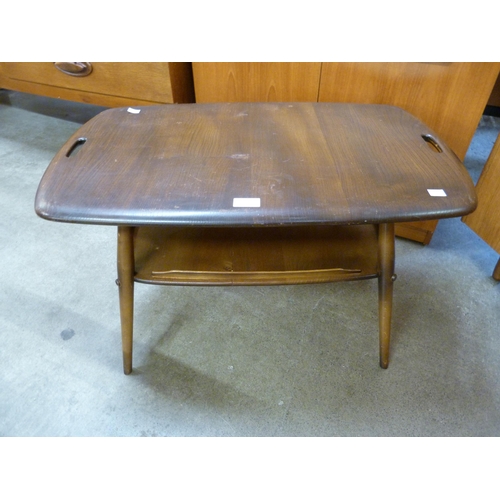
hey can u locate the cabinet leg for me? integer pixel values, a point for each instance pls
(125, 282)
(385, 285)
(496, 272)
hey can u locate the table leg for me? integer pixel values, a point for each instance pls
(125, 282)
(385, 284)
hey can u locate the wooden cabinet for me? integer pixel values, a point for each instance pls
(449, 97)
(106, 84)
(494, 99)
(256, 82)
(485, 221)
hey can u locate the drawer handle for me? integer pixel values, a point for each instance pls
(74, 68)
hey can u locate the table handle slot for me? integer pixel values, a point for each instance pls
(433, 144)
(73, 150)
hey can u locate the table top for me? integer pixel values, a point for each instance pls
(244, 164)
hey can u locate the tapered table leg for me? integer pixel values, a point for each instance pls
(125, 261)
(385, 286)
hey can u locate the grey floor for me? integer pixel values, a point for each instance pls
(256, 361)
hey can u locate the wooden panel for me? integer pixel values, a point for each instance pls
(109, 84)
(494, 99)
(449, 97)
(485, 221)
(417, 231)
(181, 82)
(271, 256)
(74, 95)
(306, 163)
(256, 82)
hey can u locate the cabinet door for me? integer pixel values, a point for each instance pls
(485, 221)
(494, 99)
(256, 82)
(449, 97)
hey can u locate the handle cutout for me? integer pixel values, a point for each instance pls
(433, 144)
(73, 150)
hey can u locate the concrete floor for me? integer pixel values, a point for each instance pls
(256, 361)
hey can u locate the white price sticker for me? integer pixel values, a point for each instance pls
(246, 202)
(436, 192)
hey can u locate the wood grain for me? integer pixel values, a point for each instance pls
(109, 84)
(266, 256)
(450, 98)
(485, 221)
(494, 99)
(256, 82)
(308, 163)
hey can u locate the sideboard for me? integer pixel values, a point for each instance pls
(110, 84)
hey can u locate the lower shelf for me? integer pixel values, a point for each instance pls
(255, 255)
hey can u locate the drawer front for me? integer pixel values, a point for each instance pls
(149, 81)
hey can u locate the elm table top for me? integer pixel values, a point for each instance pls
(302, 163)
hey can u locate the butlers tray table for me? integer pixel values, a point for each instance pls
(254, 193)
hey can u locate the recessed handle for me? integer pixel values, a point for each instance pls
(74, 68)
(75, 147)
(433, 144)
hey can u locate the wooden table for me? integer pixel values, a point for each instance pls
(254, 193)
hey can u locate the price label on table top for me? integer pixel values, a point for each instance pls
(436, 192)
(246, 202)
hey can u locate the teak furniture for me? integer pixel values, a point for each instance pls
(448, 97)
(254, 193)
(108, 84)
(494, 100)
(485, 221)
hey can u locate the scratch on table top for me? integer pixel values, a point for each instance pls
(240, 156)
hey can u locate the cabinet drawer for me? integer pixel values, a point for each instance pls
(142, 82)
